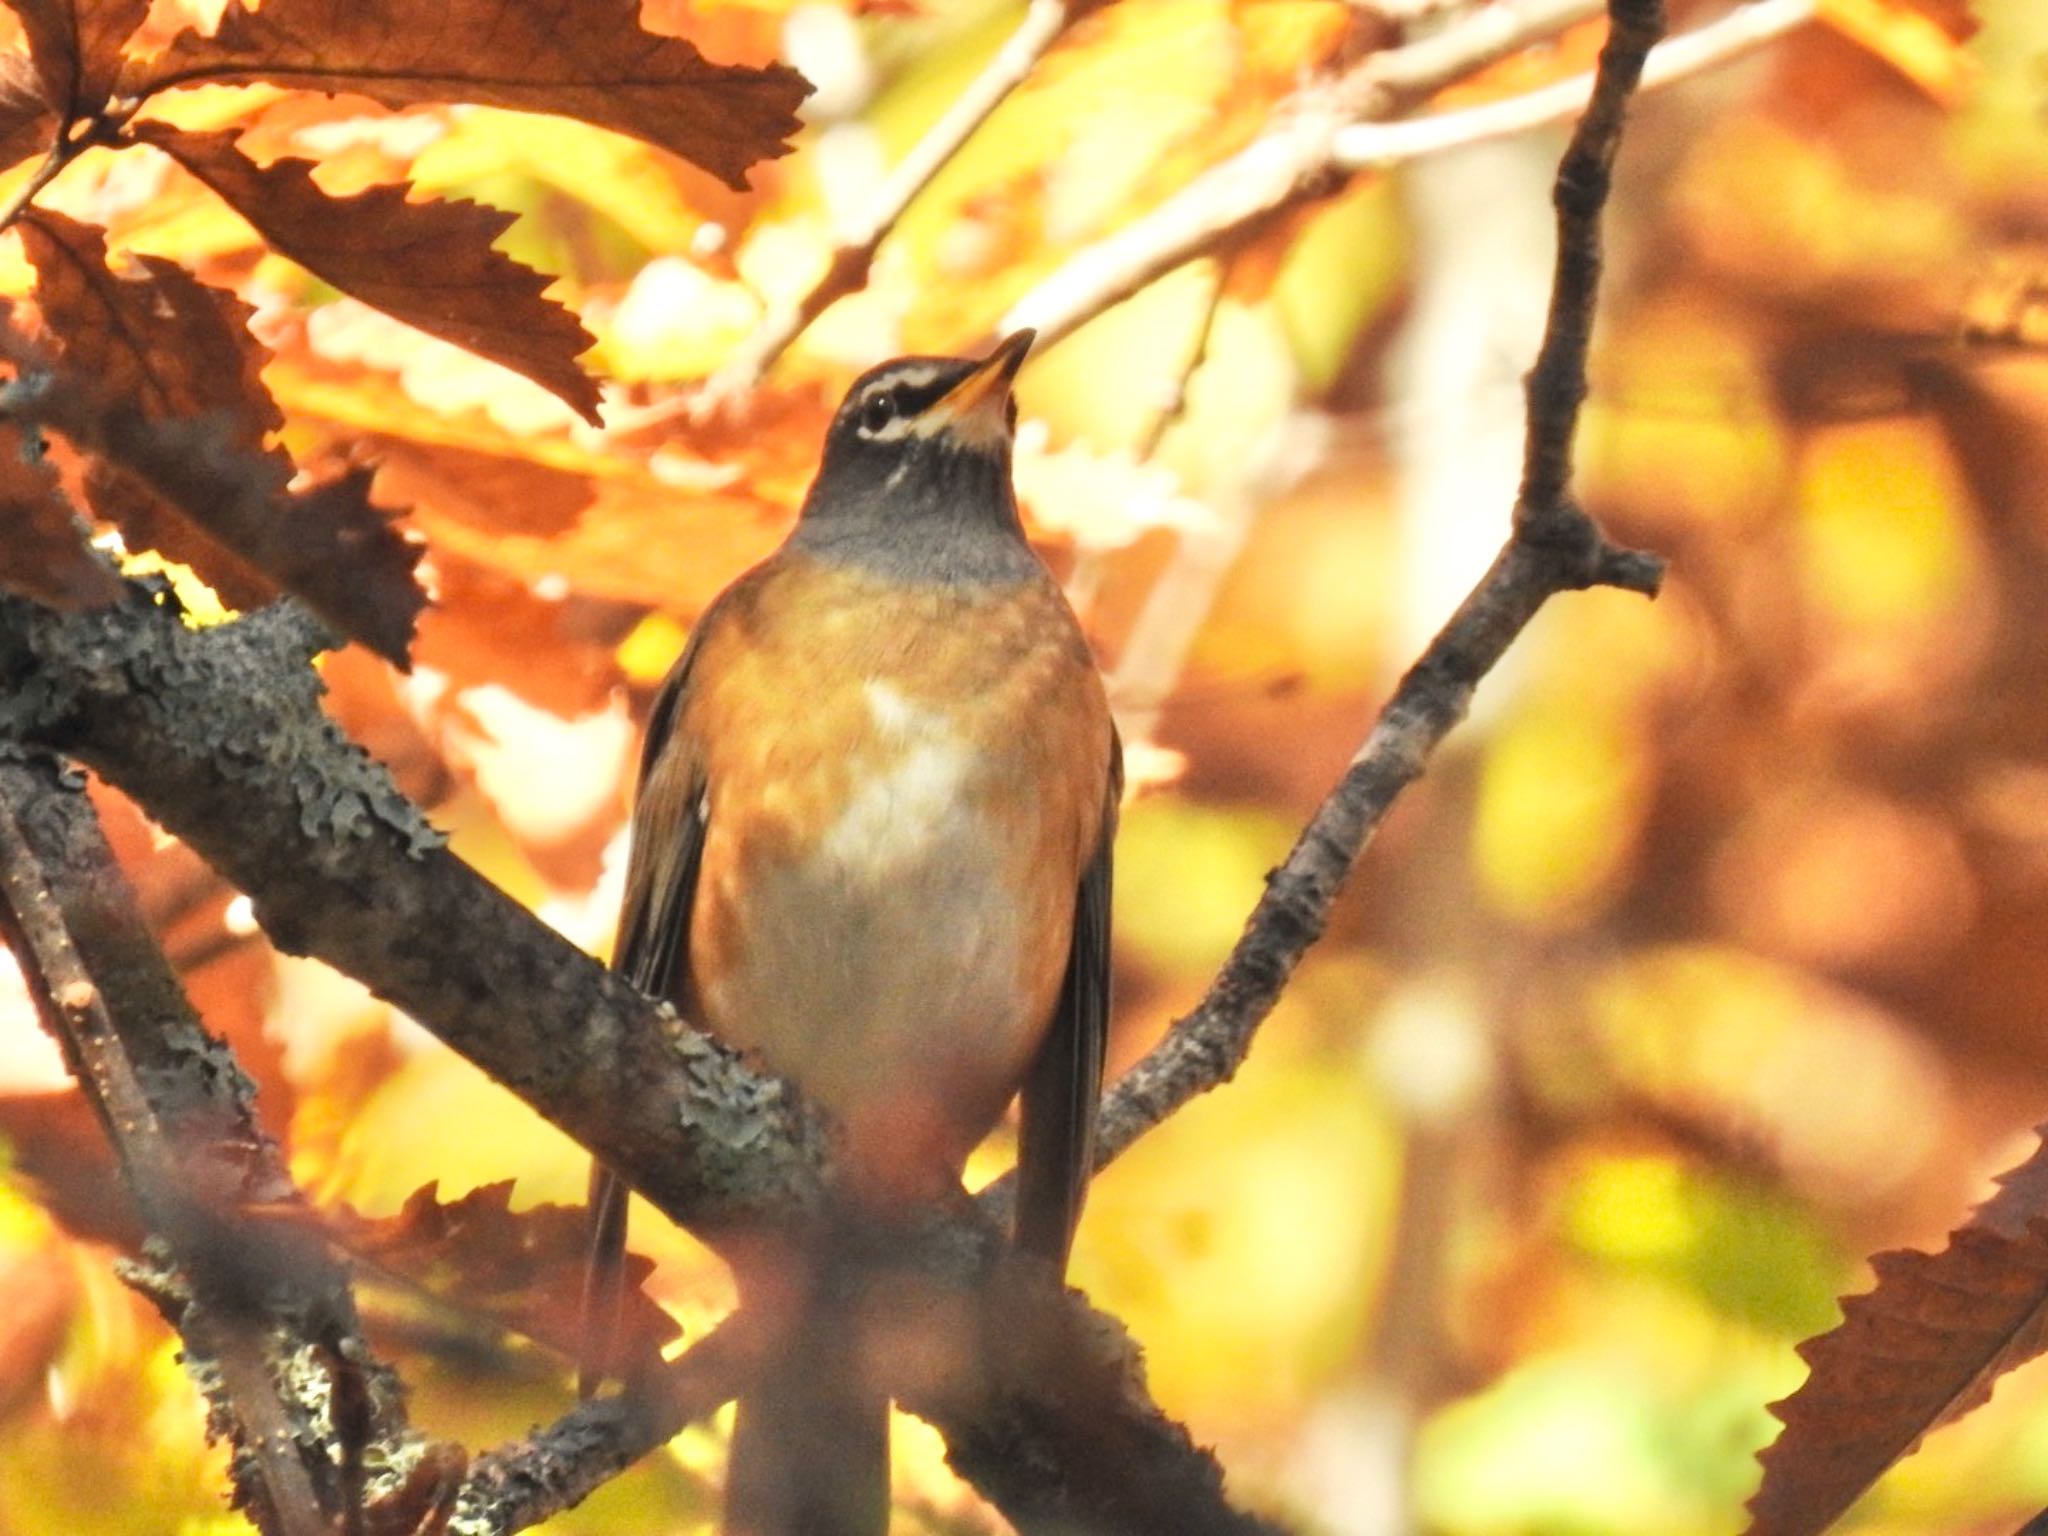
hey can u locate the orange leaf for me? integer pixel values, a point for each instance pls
(154, 336)
(1921, 39)
(76, 45)
(175, 416)
(1922, 1348)
(587, 59)
(522, 1268)
(429, 264)
(330, 545)
(43, 553)
(27, 124)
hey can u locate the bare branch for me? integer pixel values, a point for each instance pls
(1293, 162)
(1375, 146)
(1554, 548)
(1556, 386)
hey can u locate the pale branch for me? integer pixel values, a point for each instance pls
(1044, 23)
(1553, 547)
(1375, 146)
(1290, 164)
(266, 1315)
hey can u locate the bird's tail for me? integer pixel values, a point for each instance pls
(810, 1445)
(604, 1280)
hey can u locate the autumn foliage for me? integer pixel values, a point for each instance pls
(1708, 959)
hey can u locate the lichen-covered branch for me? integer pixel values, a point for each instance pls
(268, 1322)
(219, 735)
(557, 1467)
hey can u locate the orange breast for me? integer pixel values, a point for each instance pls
(903, 790)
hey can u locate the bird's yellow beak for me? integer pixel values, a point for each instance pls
(976, 410)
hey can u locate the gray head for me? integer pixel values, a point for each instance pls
(915, 480)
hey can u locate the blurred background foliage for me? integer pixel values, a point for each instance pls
(1707, 959)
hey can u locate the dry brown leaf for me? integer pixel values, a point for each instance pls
(586, 59)
(486, 628)
(76, 45)
(178, 416)
(429, 264)
(27, 125)
(1921, 1348)
(43, 553)
(155, 337)
(522, 1268)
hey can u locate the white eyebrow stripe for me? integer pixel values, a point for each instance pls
(916, 375)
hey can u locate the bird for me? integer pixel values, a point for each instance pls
(872, 846)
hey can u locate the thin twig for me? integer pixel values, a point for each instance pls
(61, 154)
(1554, 547)
(1045, 22)
(1175, 403)
(1375, 146)
(1290, 164)
(1556, 386)
(1084, 581)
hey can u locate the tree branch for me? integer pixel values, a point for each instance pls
(1292, 163)
(268, 1322)
(1554, 547)
(218, 733)
(1052, 1420)
(558, 1467)
(1375, 146)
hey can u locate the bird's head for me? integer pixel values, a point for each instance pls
(920, 443)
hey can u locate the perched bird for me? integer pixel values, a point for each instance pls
(872, 846)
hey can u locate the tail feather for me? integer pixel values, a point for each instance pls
(604, 1280)
(810, 1446)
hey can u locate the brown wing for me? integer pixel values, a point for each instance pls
(1056, 1149)
(652, 942)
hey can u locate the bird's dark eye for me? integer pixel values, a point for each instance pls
(878, 410)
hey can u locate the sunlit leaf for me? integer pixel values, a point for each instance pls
(1922, 39)
(43, 553)
(27, 122)
(428, 263)
(578, 58)
(169, 347)
(76, 45)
